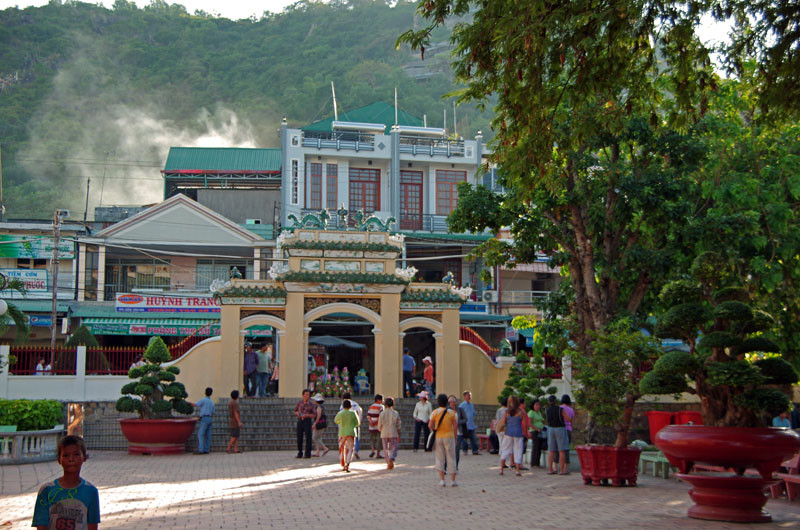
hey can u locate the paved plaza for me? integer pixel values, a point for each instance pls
(275, 490)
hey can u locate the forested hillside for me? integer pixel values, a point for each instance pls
(90, 92)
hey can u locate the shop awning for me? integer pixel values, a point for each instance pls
(169, 327)
(328, 340)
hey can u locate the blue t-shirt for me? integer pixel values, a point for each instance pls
(469, 412)
(72, 509)
(777, 421)
(205, 407)
(408, 363)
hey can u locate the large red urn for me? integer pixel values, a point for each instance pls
(728, 496)
(157, 437)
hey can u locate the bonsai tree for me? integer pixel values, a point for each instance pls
(94, 357)
(609, 378)
(528, 377)
(737, 386)
(154, 393)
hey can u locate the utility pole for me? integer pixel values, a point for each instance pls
(54, 261)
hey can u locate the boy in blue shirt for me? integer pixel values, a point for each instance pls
(69, 503)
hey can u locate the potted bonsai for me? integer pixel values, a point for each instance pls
(609, 388)
(154, 394)
(739, 388)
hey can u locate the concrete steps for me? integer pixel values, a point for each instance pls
(269, 423)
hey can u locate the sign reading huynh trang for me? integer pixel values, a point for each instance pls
(145, 303)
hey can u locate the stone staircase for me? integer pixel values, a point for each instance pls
(269, 423)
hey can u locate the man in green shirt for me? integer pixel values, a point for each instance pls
(347, 421)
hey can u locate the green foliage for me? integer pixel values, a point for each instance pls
(719, 339)
(677, 363)
(609, 378)
(181, 406)
(166, 376)
(770, 400)
(156, 351)
(734, 373)
(657, 382)
(31, 415)
(13, 315)
(679, 292)
(82, 337)
(731, 293)
(710, 269)
(758, 344)
(128, 404)
(129, 388)
(777, 371)
(152, 384)
(733, 310)
(529, 378)
(162, 405)
(680, 320)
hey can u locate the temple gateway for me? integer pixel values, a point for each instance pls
(349, 274)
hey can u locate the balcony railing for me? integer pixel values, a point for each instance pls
(523, 298)
(339, 140)
(420, 145)
(423, 222)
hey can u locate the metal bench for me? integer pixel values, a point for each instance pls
(661, 466)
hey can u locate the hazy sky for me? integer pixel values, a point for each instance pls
(233, 9)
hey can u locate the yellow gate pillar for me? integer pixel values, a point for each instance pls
(231, 358)
(448, 355)
(292, 378)
(388, 348)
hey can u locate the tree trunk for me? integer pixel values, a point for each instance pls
(624, 425)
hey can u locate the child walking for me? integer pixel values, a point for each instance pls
(389, 426)
(347, 421)
(70, 501)
(234, 423)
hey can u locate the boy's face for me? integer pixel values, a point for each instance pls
(71, 459)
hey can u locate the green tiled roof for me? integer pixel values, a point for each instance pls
(425, 295)
(254, 292)
(223, 159)
(378, 112)
(262, 230)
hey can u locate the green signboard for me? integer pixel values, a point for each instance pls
(33, 247)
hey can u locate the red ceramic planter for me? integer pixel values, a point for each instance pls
(157, 437)
(603, 464)
(728, 496)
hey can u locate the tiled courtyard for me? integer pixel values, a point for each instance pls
(274, 490)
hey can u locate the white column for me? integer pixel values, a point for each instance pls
(81, 272)
(5, 350)
(257, 263)
(80, 372)
(101, 273)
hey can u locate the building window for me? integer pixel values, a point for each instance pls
(315, 187)
(90, 279)
(214, 269)
(123, 276)
(332, 171)
(295, 183)
(447, 182)
(411, 200)
(295, 140)
(364, 189)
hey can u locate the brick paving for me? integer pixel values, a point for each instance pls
(275, 490)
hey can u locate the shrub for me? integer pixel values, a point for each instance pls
(31, 415)
(152, 384)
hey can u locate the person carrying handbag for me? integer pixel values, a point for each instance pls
(444, 425)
